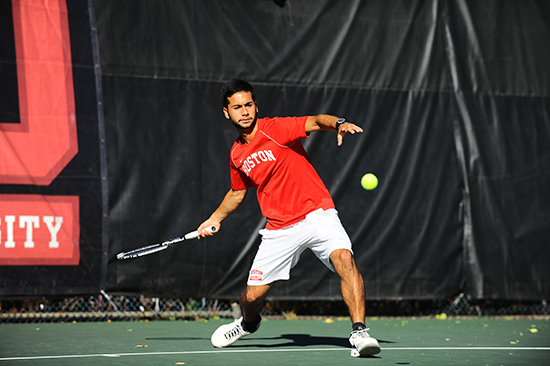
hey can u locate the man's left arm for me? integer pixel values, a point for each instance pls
(330, 123)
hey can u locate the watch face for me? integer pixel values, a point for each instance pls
(340, 121)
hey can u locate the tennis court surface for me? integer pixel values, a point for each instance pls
(453, 341)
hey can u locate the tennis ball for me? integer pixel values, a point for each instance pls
(369, 181)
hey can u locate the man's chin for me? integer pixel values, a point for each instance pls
(246, 126)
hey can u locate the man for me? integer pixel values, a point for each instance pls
(269, 156)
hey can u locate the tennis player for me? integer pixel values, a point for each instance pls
(269, 156)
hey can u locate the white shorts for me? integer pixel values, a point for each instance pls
(321, 231)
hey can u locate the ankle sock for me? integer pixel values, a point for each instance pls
(252, 326)
(359, 326)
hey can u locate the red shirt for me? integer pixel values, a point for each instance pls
(275, 162)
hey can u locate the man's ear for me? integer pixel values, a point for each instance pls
(225, 112)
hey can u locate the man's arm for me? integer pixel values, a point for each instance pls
(231, 202)
(328, 123)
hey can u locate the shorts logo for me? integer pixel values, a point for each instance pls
(256, 275)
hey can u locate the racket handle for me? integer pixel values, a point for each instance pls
(195, 234)
(212, 229)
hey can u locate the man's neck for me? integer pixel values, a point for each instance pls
(248, 135)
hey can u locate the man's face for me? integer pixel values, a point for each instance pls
(241, 110)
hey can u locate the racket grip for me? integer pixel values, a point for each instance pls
(212, 229)
(195, 234)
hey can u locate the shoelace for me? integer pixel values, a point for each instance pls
(235, 332)
(361, 333)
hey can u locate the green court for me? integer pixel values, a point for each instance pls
(452, 341)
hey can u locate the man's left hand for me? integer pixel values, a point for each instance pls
(346, 128)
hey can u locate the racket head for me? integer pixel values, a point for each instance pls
(142, 251)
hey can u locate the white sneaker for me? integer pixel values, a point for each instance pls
(362, 344)
(228, 334)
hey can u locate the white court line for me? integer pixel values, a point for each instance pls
(276, 350)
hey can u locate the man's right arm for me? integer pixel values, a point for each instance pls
(231, 202)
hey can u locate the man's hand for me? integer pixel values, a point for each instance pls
(346, 128)
(328, 123)
(203, 228)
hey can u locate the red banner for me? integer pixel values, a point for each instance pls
(37, 149)
(39, 230)
(36, 229)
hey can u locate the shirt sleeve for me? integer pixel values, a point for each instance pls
(286, 130)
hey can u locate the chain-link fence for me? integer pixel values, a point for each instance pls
(104, 307)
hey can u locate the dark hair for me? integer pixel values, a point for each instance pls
(235, 86)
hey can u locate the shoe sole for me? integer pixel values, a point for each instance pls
(369, 350)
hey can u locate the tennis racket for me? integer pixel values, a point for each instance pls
(150, 249)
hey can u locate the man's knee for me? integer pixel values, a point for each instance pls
(254, 295)
(342, 257)
(344, 264)
(249, 297)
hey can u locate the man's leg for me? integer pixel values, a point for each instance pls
(252, 301)
(351, 282)
(353, 292)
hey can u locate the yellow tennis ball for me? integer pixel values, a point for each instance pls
(369, 181)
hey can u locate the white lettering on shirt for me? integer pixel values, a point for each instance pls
(256, 159)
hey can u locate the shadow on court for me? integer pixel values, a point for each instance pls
(305, 340)
(293, 340)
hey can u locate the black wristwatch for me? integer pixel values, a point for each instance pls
(340, 122)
